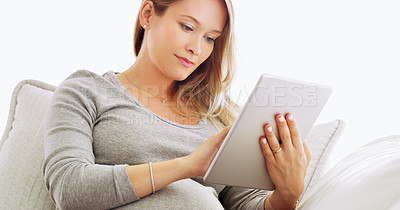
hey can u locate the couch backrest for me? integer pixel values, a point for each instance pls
(21, 149)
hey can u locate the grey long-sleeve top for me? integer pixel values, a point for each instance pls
(95, 126)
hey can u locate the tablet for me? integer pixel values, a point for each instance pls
(239, 161)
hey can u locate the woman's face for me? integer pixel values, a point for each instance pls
(183, 37)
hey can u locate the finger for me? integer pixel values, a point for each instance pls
(284, 132)
(294, 130)
(271, 137)
(225, 131)
(267, 152)
(307, 151)
(216, 140)
(222, 134)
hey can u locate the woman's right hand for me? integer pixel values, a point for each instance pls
(199, 161)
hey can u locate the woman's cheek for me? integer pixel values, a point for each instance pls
(177, 37)
(207, 52)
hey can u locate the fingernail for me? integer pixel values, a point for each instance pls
(290, 117)
(263, 140)
(281, 119)
(269, 129)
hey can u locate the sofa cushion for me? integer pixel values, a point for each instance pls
(322, 140)
(21, 149)
(367, 179)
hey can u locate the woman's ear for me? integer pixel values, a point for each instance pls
(146, 12)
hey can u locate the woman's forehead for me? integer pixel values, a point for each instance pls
(212, 13)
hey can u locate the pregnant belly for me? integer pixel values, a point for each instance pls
(183, 194)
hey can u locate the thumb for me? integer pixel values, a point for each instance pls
(222, 134)
(219, 138)
(225, 131)
(307, 151)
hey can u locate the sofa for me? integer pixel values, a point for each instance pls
(368, 178)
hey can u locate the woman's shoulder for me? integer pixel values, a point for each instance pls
(82, 75)
(84, 79)
(83, 83)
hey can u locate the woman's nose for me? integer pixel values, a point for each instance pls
(194, 46)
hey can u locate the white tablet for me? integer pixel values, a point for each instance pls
(239, 161)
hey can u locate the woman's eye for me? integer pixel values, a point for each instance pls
(186, 28)
(209, 39)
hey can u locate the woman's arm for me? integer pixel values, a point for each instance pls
(166, 172)
(72, 177)
(276, 201)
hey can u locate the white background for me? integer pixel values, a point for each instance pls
(351, 45)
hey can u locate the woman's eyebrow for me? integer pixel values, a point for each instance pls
(198, 22)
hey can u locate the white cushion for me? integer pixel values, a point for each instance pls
(21, 149)
(322, 140)
(367, 179)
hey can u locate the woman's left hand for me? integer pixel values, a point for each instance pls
(286, 162)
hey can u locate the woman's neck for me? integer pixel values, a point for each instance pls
(147, 76)
(151, 80)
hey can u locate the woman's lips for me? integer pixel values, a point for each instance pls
(185, 61)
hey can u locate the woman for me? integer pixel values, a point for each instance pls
(129, 139)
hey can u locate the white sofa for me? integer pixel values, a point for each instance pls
(367, 179)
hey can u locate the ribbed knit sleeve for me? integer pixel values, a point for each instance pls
(71, 175)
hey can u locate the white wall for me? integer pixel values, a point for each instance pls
(352, 45)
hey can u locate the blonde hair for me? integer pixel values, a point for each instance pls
(206, 90)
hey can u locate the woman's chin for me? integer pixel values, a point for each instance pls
(180, 79)
(181, 76)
